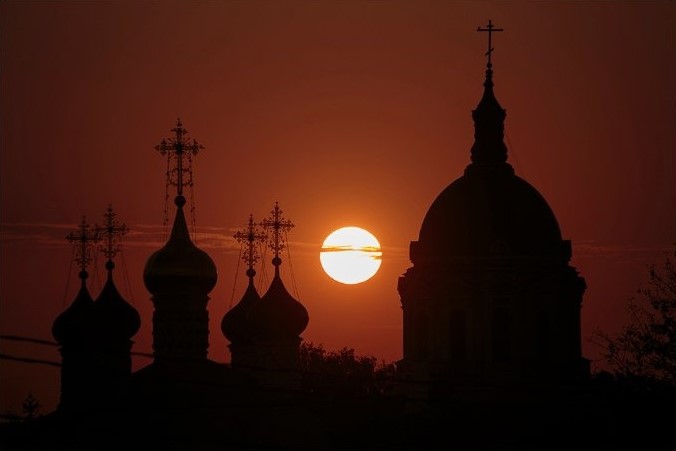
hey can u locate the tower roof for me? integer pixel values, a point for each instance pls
(278, 316)
(116, 320)
(235, 324)
(489, 210)
(179, 267)
(74, 325)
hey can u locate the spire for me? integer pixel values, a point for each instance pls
(180, 275)
(72, 325)
(279, 228)
(117, 319)
(489, 148)
(490, 29)
(111, 232)
(83, 240)
(278, 316)
(179, 265)
(235, 324)
(179, 151)
(250, 236)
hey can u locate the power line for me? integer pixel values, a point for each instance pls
(28, 360)
(29, 339)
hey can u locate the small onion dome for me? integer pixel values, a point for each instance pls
(73, 325)
(180, 266)
(116, 320)
(235, 324)
(278, 315)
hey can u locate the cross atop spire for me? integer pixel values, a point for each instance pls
(83, 239)
(177, 148)
(279, 226)
(112, 231)
(490, 29)
(250, 236)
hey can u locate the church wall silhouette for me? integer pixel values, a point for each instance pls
(491, 297)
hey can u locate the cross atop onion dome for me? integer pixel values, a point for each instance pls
(179, 151)
(83, 239)
(116, 321)
(73, 326)
(250, 236)
(111, 233)
(236, 324)
(279, 227)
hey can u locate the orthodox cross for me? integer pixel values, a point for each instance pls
(178, 147)
(111, 232)
(490, 29)
(250, 236)
(279, 226)
(83, 239)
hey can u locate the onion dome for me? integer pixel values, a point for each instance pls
(235, 324)
(278, 315)
(74, 325)
(116, 320)
(489, 210)
(180, 267)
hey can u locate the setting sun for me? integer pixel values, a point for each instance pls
(350, 255)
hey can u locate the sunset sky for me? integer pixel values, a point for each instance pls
(349, 113)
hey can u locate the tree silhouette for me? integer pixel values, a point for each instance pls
(645, 349)
(343, 373)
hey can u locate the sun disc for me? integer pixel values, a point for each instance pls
(350, 255)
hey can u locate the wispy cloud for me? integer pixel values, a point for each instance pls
(51, 235)
(351, 248)
(593, 248)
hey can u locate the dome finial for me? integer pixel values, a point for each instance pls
(83, 240)
(279, 227)
(490, 28)
(250, 236)
(178, 149)
(111, 232)
(489, 149)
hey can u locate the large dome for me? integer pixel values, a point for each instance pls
(488, 211)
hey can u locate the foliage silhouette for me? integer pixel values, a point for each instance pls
(343, 373)
(644, 351)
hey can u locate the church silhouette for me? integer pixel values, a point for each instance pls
(491, 337)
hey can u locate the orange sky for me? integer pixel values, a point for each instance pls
(347, 113)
